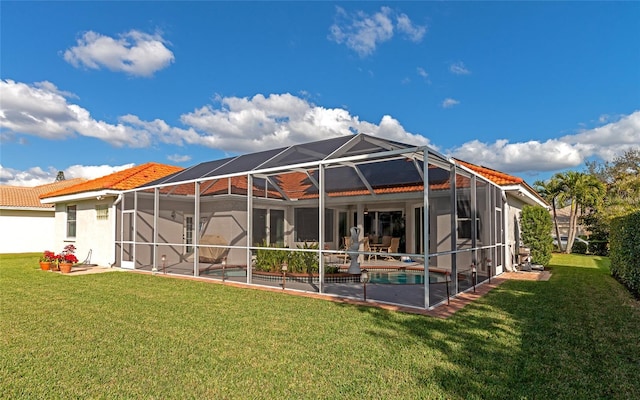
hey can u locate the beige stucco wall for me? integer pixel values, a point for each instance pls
(92, 234)
(25, 231)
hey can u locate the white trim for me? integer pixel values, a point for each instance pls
(522, 192)
(97, 194)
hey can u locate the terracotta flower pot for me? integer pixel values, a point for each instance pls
(45, 265)
(65, 268)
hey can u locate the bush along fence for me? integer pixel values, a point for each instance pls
(625, 251)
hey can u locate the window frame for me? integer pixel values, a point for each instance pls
(71, 226)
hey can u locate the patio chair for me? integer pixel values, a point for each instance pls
(367, 248)
(386, 241)
(346, 242)
(393, 248)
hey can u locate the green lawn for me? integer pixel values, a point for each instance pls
(126, 335)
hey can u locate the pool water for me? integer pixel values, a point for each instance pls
(228, 272)
(404, 277)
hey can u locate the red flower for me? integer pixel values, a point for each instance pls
(48, 256)
(67, 256)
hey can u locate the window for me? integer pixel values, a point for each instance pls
(274, 230)
(464, 220)
(102, 212)
(306, 222)
(71, 221)
(259, 226)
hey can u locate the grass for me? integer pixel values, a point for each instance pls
(126, 335)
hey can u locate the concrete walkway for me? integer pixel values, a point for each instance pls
(81, 270)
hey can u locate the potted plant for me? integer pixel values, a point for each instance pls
(67, 258)
(46, 259)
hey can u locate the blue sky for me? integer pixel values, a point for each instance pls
(528, 88)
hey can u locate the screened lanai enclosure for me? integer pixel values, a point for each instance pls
(322, 217)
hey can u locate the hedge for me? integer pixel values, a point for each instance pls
(625, 251)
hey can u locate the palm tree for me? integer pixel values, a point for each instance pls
(580, 191)
(550, 190)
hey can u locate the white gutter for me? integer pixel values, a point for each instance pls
(525, 195)
(98, 195)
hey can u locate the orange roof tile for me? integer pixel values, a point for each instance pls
(122, 180)
(29, 197)
(497, 177)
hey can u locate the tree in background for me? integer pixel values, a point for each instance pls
(583, 192)
(536, 227)
(621, 178)
(580, 191)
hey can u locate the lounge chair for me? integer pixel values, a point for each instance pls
(212, 255)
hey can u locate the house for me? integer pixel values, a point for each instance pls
(456, 223)
(84, 212)
(27, 224)
(563, 216)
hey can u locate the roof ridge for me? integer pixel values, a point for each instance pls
(120, 180)
(127, 172)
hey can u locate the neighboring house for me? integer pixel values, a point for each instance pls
(318, 193)
(84, 212)
(563, 217)
(27, 224)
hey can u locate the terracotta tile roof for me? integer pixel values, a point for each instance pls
(497, 177)
(122, 180)
(29, 197)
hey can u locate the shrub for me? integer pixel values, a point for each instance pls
(270, 258)
(625, 251)
(579, 248)
(304, 261)
(536, 224)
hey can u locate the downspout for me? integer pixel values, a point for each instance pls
(114, 226)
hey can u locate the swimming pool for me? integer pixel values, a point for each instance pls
(228, 272)
(404, 277)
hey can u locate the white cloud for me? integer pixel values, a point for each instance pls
(362, 32)
(413, 32)
(449, 102)
(252, 124)
(605, 142)
(135, 53)
(518, 157)
(610, 140)
(459, 69)
(37, 176)
(177, 158)
(237, 125)
(42, 110)
(422, 73)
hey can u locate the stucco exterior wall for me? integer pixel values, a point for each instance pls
(513, 213)
(92, 234)
(25, 231)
